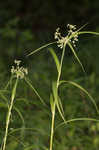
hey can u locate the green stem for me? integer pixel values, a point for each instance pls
(52, 128)
(61, 63)
(9, 115)
(53, 113)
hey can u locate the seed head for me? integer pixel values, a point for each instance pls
(71, 37)
(18, 71)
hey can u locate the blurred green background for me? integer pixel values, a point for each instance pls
(25, 26)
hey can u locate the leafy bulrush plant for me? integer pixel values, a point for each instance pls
(55, 101)
(18, 72)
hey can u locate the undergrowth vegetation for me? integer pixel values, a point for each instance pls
(50, 108)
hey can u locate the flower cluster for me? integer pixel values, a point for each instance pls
(72, 36)
(73, 33)
(60, 39)
(18, 71)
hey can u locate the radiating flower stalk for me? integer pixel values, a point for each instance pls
(19, 73)
(72, 37)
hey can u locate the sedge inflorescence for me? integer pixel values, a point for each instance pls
(71, 37)
(18, 71)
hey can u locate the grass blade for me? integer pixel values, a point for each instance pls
(28, 129)
(82, 27)
(52, 103)
(2, 104)
(72, 49)
(4, 98)
(14, 90)
(31, 86)
(77, 119)
(60, 104)
(9, 83)
(55, 94)
(55, 59)
(88, 32)
(42, 47)
(82, 89)
(20, 114)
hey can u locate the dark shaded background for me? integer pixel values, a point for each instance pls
(47, 15)
(22, 20)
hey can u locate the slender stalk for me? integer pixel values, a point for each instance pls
(53, 113)
(52, 128)
(9, 116)
(61, 63)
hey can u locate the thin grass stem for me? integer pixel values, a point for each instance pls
(52, 128)
(3, 146)
(57, 85)
(61, 63)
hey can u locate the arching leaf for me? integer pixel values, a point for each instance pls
(82, 89)
(55, 59)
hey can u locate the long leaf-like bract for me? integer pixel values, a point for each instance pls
(56, 98)
(40, 48)
(88, 32)
(82, 89)
(55, 59)
(31, 86)
(73, 51)
(77, 119)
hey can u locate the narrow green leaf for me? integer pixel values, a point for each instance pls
(82, 89)
(4, 98)
(31, 86)
(54, 89)
(20, 114)
(60, 104)
(88, 32)
(72, 49)
(77, 119)
(12, 145)
(14, 90)
(4, 91)
(52, 103)
(56, 97)
(17, 140)
(60, 111)
(2, 104)
(82, 27)
(30, 147)
(9, 83)
(28, 129)
(55, 59)
(45, 148)
(40, 48)
(23, 99)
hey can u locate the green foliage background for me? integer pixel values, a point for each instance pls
(25, 26)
